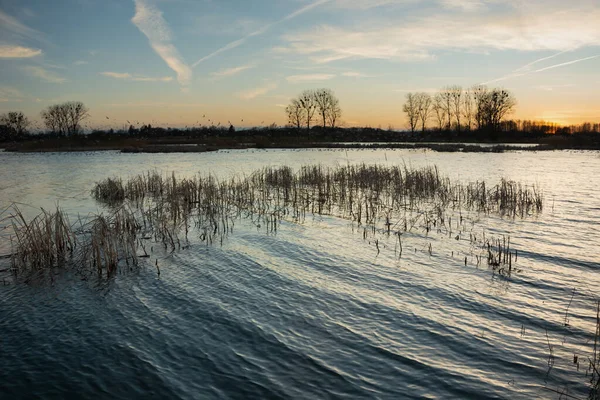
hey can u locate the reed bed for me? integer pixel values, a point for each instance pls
(364, 194)
(165, 209)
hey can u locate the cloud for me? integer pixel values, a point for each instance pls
(422, 38)
(256, 92)
(239, 42)
(8, 51)
(44, 74)
(9, 94)
(150, 22)
(353, 74)
(80, 62)
(463, 5)
(135, 78)
(309, 78)
(10, 24)
(231, 71)
(368, 4)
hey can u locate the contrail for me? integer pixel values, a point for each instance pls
(236, 43)
(526, 67)
(567, 63)
(528, 72)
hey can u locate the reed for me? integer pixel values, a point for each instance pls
(166, 208)
(45, 241)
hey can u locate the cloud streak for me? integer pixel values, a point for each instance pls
(231, 71)
(256, 92)
(422, 38)
(239, 42)
(136, 78)
(11, 24)
(309, 78)
(149, 20)
(44, 74)
(8, 51)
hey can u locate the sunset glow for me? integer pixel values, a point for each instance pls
(171, 62)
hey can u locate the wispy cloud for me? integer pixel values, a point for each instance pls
(239, 42)
(80, 62)
(365, 4)
(44, 74)
(418, 90)
(12, 25)
(422, 38)
(231, 71)
(149, 20)
(9, 94)
(7, 51)
(256, 92)
(354, 74)
(156, 104)
(137, 78)
(463, 5)
(309, 78)
(550, 88)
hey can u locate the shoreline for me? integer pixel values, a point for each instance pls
(478, 147)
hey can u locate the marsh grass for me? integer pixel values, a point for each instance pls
(45, 241)
(165, 209)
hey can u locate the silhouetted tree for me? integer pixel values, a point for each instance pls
(439, 110)
(15, 122)
(411, 108)
(492, 106)
(447, 95)
(423, 108)
(308, 105)
(65, 118)
(302, 109)
(327, 106)
(456, 103)
(335, 113)
(295, 113)
(467, 108)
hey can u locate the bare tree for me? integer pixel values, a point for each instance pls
(335, 112)
(15, 122)
(456, 100)
(423, 108)
(467, 108)
(480, 94)
(295, 113)
(308, 104)
(447, 99)
(65, 118)
(411, 108)
(439, 110)
(492, 106)
(324, 99)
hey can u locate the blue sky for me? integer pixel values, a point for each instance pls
(171, 62)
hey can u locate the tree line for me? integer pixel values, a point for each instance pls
(453, 108)
(60, 119)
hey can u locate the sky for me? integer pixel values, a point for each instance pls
(185, 62)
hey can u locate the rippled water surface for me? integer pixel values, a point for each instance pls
(311, 311)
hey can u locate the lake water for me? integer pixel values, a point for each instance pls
(311, 311)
